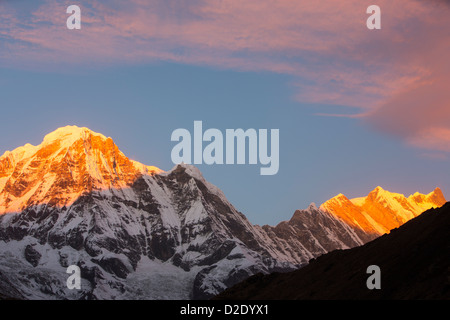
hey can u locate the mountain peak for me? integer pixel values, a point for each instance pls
(190, 169)
(435, 196)
(338, 199)
(379, 190)
(341, 196)
(380, 193)
(71, 133)
(70, 161)
(382, 210)
(59, 139)
(436, 193)
(312, 206)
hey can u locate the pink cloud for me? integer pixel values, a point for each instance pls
(419, 111)
(434, 138)
(395, 78)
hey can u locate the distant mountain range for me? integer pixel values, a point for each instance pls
(413, 261)
(138, 232)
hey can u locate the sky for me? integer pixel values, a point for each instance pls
(355, 108)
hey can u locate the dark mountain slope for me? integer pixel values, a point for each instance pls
(414, 261)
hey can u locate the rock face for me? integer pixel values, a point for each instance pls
(381, 211)
(413, 261)
(31, 255)
(135, 231)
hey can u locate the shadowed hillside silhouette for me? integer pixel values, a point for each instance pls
(414, 261)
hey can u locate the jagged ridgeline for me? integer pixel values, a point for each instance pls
(138, 232)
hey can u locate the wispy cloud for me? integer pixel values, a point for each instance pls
(395, 78)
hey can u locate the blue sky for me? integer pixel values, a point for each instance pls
(139, 96)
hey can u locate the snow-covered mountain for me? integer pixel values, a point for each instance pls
(69, 162)
(135, 231)
(380, 211)
(138, 232)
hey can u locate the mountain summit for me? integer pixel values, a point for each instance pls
(69, 162)
(381, 211)
(134, 230)
(137, 232)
